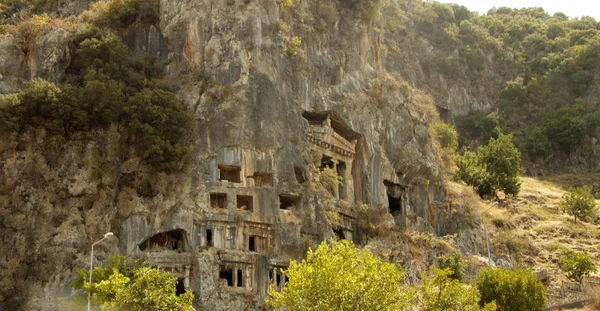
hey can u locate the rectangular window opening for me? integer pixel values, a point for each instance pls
(209, 237)
(218, 200)
(252, 244)
(244, 203)
(227, 275)
(240, 278)
(230, 173)
(288, 202)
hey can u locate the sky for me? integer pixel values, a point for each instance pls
(573, 8)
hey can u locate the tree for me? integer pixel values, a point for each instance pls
(441, 292)
(446, 135)
(455, 263)
(119, 286)
(497, 166)
(579, 202)
(576, 264)
(513, 290)
(338, 276)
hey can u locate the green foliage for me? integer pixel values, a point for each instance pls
(446, 135)
(109, 88)
(337, 276)
(119, 286)
(512, 290)
(122, 13)
(478, 126)
(329, 178)
(580, 203)
(10, 10)
(104, 56)
(576, 264)
(454, 263)
(497, 166)
(442, 292)
(293, 46)
(160, 124)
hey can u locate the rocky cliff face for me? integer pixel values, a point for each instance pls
(271, 116)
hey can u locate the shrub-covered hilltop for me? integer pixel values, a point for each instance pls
(519, 71)
(539, 72)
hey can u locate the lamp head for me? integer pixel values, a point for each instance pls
(108, 234)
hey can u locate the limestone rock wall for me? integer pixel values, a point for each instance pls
(251, 198)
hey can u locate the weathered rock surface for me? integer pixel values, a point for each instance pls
(247, 203)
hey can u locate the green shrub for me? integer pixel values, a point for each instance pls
(513, 290)
(497, 166)
(478, 126)
(580, 203)
(102, 57)
(446, 135)
(293, 46)
(576, 264)
(454, 263)
(122, 13)
(160, 124)
(442, 292)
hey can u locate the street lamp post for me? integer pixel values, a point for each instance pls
(106, 236)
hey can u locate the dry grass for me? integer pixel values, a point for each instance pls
(532, 225)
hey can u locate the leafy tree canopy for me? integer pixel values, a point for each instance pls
(579, 203)
(576, 264)
(119, 286)
(497, 166)
(512, 290)
(440, 292)
(338, 276)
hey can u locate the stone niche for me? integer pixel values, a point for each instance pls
(333, 145)
(169, 251)
(243, 235)
(277, 277)
(256, 237)
(241, 166)
(174, 240)
(343, 226)
(236, 276)
(215, 233)
(396, 201)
